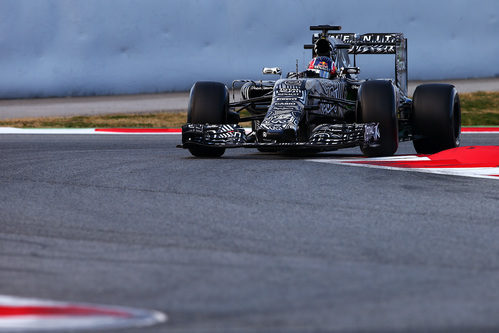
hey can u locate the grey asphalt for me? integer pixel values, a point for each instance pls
(165, 102)
(463, 85)
(93, 105)
(250, 242)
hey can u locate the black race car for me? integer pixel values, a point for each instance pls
(308, 110)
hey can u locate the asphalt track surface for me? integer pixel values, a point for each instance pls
(251, 242)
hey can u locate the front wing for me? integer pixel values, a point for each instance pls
(326, 136)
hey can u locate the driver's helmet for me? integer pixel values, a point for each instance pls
(322, 65)
(322, 47)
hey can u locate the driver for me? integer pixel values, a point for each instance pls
(322, 63)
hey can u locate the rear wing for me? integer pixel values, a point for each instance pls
(374, 43)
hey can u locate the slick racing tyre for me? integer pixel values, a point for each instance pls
(378, 104)
(437, 118)
(208, 104)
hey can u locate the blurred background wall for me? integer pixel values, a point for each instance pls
(96, 47)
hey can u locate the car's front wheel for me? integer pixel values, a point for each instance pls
(378, 105)
(208, 104)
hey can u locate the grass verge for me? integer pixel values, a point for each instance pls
(137, 120)
(479, 108)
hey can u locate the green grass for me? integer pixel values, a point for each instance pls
(148, 120)
(477, 119)
(478, 109)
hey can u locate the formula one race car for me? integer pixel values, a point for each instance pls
(326, 107)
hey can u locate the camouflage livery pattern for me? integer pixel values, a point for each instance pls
(329, 88)
(213, 134)
(290, 98)
(287, 107)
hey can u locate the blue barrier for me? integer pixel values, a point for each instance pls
(94, 47)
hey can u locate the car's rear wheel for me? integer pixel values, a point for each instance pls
(378, 105)
(208, 104)
(437, 118)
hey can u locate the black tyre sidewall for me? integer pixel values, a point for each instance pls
(200, 151)
(436, 118)
(378, 103)
(208, 104)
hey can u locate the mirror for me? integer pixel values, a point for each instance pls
(350, 70)
(272, 70)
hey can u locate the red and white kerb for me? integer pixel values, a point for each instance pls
(471, 161)
(24, 315)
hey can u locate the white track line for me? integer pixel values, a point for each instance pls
(478, 132)
(13, 130)
(487, 172)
